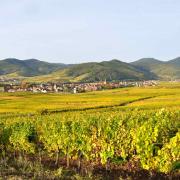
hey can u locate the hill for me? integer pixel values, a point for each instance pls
(93, 71)
(39, 71)
(27, 68)
(164, 70)
(109, 70)
(175, 62)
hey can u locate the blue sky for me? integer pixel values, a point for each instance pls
(73, 31)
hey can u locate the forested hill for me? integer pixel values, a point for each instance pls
(143, 69)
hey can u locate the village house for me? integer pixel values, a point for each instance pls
(74, 87)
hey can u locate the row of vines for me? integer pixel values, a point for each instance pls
(152, 139)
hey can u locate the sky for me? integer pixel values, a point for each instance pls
(74, 31)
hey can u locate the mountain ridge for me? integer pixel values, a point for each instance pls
(42, 71)
(29, 67)
(164, 70)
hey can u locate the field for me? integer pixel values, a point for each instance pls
(149, 97)
(112, 134)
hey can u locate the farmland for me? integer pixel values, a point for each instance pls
(96, 134)
(34, 102)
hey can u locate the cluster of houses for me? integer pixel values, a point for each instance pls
(73, 87)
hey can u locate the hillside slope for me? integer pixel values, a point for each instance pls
(109, 70)
(39, 71)
(30, 67)
(164, 70)
(93, 71)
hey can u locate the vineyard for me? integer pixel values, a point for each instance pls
(114, 134)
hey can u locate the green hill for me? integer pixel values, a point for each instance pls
(27, 68)
(39, 71)
(109, 70)
(175, 62)
(164, 70)
(93, 71)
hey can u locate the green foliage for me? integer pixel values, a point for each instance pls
(153, 138)
(169, 156)
(23, 137)
(148, 135)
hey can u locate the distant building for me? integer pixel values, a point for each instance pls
(75, 90)
(7, 87)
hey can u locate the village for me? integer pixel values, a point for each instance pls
(78, 87)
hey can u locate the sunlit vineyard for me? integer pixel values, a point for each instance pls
(129, 129)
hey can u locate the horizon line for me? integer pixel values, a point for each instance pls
(89, 61)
